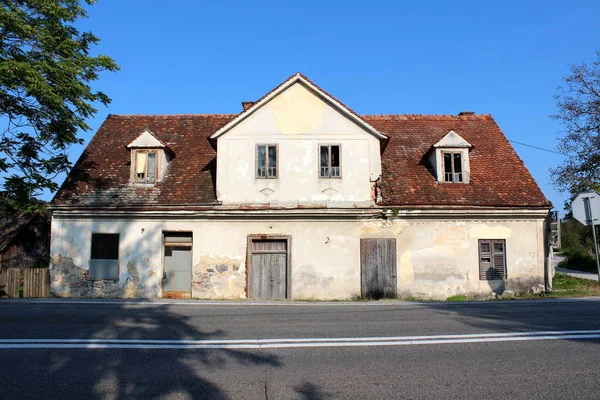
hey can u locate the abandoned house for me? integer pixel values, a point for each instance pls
(297, 197)
(24, 240)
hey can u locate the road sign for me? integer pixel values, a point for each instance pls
(585, 207)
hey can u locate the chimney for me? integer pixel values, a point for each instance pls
(247, 104)
(466, 113)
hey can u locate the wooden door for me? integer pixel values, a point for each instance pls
(378, 268)
(268, 272)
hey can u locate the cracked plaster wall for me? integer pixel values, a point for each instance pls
(435, 259)
(439, 259)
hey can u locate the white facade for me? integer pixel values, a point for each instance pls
(436, 257)
(297, 121)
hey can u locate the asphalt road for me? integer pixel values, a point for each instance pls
(211, 351)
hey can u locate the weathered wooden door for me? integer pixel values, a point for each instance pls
(268, 270)
(378, 268)
(178, 263)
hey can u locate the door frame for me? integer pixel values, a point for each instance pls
(288, 267)
(176, 295)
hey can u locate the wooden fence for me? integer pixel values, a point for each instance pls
(35, 282)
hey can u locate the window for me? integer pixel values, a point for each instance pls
(145, 166)
(453, 171)
(104, 263)
(266, 161)
(330, 166)
(492, 260)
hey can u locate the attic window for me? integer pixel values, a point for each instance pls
(145, 166)
(450, 159)
(453, 170)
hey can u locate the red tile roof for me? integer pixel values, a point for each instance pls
(101, 175)
(498, 176)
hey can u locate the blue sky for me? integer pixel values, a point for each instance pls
(378, 57)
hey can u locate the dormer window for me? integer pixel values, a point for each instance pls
(452, 166)
(450, 159)
(146, 167)
(149, 158)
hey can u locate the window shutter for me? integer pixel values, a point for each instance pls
(499, 259)
(486, 271)
(492, 260)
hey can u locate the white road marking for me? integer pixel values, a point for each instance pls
(294, 342)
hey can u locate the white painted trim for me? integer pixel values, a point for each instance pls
(284, 86)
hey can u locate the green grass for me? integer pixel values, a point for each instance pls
(457, 298)
(564, 286)
(579, 262)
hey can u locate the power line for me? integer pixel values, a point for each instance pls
(539, 148)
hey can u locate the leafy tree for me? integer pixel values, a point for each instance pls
(578, 103)
(45, 94)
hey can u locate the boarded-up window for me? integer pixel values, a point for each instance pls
(104, 263)
(330, 163)
(453, 171)
(492, 260)
(266, 161)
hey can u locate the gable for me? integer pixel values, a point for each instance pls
(298, 106)
(452, 140)
(296, 112)
(146, 140)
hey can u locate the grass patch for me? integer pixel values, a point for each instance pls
(563, 286)
(579, 262)
(457, 298)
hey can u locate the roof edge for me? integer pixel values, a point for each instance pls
(298, 77)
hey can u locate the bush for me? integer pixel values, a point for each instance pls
(579, 262)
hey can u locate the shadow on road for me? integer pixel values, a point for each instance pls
(125, 373)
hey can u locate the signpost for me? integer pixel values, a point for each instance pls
(555, 229)
(586, 209)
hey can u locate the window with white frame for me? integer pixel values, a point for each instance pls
(453, 166)
(266, 161)
(146, 166)
(329, 161)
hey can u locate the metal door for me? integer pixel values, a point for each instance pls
(378, 268)
(268, 273)
(178, 262)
